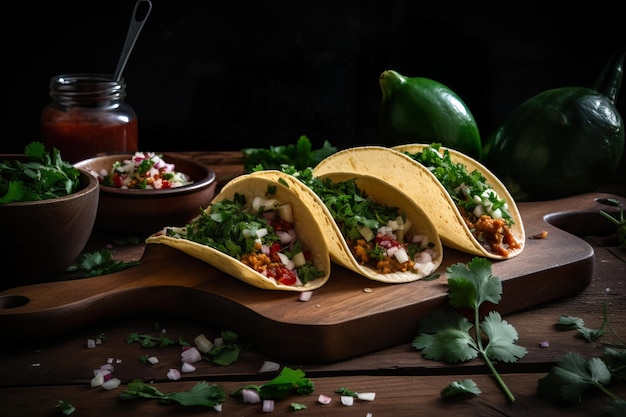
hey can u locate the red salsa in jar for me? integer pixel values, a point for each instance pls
(88, 116)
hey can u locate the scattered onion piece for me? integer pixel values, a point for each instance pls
(97, 380)
(268, 406)
(250, 396)
(203, 344)
(187, 367)
(305, 295)
(218, 407)
(91, 343)
(324, 399)
(173, 374)
(347, 400)
(269, 366)
(191, 355)
(111, 384)
(366, 396)
(153, 360)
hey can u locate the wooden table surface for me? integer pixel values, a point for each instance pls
(35, 376)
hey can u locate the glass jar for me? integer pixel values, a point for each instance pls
(88, 116)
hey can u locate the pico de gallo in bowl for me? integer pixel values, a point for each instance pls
(145, 171)
(142, 192)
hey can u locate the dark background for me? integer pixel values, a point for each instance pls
(217, 75)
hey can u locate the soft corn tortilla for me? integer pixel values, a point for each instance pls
(307, 229)
(401, 171)
(383, 193)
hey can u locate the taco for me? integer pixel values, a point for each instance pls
(371, 228)
(493, 230)
(260, 231)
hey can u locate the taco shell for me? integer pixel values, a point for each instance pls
(381, 192)
(402, 172)
(307, 229)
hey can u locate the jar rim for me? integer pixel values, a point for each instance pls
(77, 78)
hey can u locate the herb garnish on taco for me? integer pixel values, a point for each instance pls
(372, 228)
(470, 207)
(258, 230)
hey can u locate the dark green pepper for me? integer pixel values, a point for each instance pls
(563, 141)
(420, 110)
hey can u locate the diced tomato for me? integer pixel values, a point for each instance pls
(117, 180)
(281, 225)
(166, 184)
(387, 241)
(282, 275)
(275, 247)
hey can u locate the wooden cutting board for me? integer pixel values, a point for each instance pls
(349, 316)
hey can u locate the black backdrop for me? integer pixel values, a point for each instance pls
(223, 75)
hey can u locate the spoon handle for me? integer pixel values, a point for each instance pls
(136, 24)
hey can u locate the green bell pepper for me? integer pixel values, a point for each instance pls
(563, 141)
(421, 110)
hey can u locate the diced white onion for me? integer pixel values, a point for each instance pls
(191, 355)
(111, 384)
(187, 367)
(324, 399)
(153, 360)
(305, 295)
(269, 366)
(203, 344)
(366, 396)
(285, 237)
(347, 400)
(173, 374)
(97, 380)
(268, 406)
(285, 212)
(401, 255)
(261, 233)
(250, 396)
(299, 259)
(267, 204)
(289, 264)
(366, 233)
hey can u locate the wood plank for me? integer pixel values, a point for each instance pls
(399, 396)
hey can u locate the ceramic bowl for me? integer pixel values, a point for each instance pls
(139, 213)
(40, 239)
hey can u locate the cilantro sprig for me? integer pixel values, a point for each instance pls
(289, 381)
(445, 334)
(41, 176)
(229, 351)
(619, 222)
(573, 375)
(301, 155)
(467, 189)
(100, 262)
(201, 394)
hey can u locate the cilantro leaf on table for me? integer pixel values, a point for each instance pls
(228, 352)
(99, 263)
(461, 387)
(201, 394)
(40, 176)
(576, 323)
(572, 376)
(445, 335)
(289, 381)
(301, 155)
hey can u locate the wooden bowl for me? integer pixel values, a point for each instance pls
(40, 239)
(134, 212)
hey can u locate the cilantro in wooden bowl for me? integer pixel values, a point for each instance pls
(48, 209)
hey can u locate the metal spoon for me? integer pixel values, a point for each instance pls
(131, 37)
